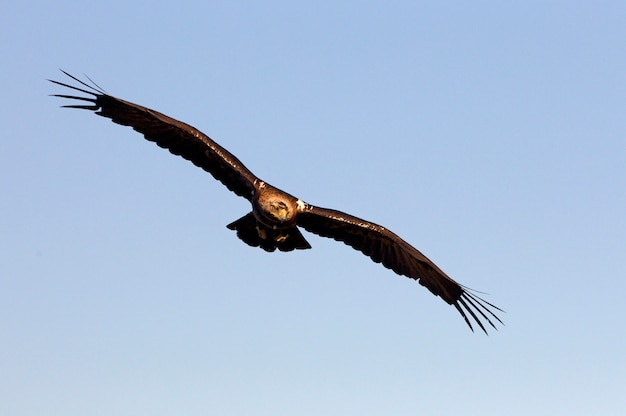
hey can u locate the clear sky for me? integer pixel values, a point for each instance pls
(490, 135)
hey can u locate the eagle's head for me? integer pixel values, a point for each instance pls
(273, 207)
(274, 212)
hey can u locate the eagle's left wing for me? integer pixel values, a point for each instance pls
(383, 246)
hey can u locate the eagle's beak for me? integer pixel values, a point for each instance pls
(281, 214)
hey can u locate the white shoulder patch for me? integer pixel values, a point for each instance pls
(301, 204)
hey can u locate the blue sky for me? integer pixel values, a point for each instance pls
(491, 136)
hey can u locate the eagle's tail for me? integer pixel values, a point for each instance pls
(255, 234)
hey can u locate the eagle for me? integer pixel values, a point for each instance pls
(276, 216)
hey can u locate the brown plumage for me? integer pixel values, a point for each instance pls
(276, 215)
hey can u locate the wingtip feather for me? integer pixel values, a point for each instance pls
(479, 310)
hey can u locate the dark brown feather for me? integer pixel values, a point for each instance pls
(255, 234)
(385, 247)
(179, 138)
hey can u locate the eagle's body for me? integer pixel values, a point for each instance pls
(272, 224)
(276, 215)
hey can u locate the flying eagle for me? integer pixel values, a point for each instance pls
(276, 215)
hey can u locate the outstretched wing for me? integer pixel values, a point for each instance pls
(179, 138)
(385, 247)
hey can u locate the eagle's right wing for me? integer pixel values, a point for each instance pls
(179, 138)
